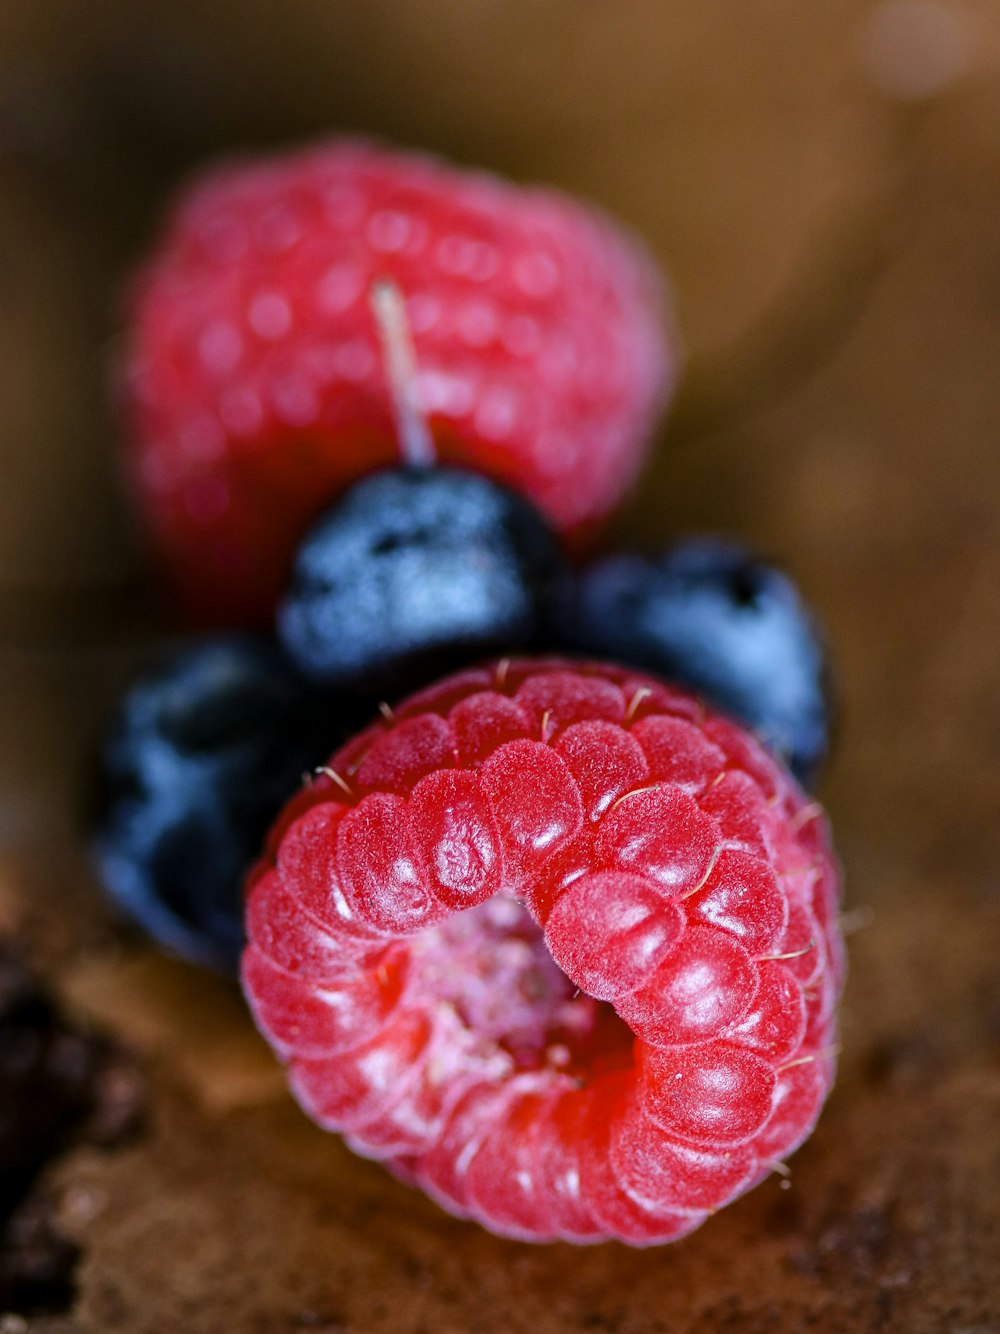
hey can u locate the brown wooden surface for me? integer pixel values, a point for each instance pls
(835, 245)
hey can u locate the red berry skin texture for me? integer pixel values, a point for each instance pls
(253, 384)
(558, 947)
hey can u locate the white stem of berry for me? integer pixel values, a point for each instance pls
(389, 308)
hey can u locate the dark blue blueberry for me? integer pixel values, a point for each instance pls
(202, 753)
(711, 617)
(415, 571)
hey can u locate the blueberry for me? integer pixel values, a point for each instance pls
(711, 617)
(412, 572)
(203, 751)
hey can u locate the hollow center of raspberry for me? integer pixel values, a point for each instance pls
(491, 964)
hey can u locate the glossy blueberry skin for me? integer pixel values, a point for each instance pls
(709, 615)
(201, 754)
(415, 571)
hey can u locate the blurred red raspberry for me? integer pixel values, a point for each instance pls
(254, 387)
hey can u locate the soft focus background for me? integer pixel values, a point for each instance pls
(822, 182)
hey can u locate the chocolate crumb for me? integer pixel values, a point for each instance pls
(59, 1086)
(37, 1263)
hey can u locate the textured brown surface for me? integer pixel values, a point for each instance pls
(836, 252)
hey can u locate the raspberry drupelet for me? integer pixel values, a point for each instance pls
(254, 387)
(556, 945)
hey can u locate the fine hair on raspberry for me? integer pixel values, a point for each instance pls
(558, 946)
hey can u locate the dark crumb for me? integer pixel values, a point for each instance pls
(59, 1086)
(37, 1263)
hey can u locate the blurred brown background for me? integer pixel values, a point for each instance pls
(823, 184)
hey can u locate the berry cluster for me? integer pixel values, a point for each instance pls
(552, 939)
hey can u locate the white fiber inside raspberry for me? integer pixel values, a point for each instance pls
(491, 965)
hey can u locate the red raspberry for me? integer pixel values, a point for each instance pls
(254, 384)
(558, 946)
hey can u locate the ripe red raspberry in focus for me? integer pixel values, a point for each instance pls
(557, 946)
(254, 386)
